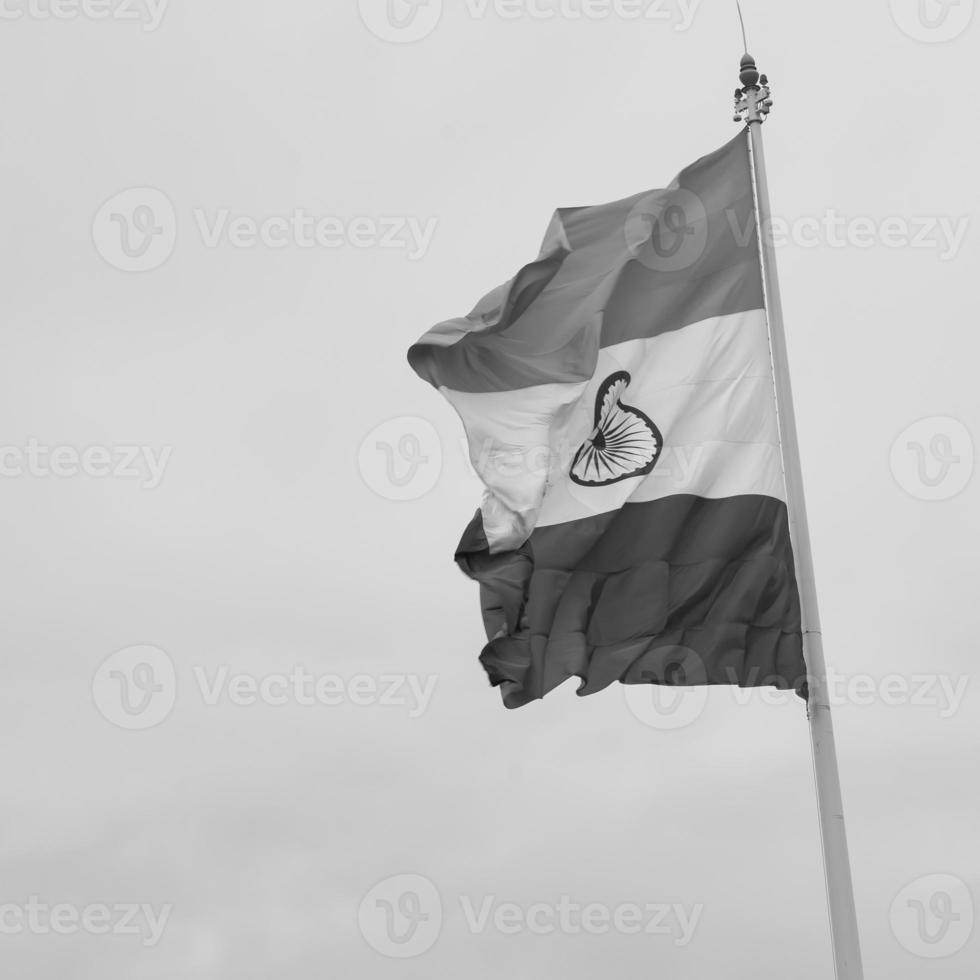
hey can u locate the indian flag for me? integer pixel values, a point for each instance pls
(617, 396)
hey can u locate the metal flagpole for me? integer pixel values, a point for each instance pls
(752, 104)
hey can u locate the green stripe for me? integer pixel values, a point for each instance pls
(611, 598)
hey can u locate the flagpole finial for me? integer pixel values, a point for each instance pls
(753, 100)
(749, 74)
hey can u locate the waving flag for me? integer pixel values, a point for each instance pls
(618, 401)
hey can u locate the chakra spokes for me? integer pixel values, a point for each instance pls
(624, 442)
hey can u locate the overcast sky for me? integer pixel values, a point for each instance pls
(224, 223)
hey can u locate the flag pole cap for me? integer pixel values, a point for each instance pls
(749, 74)
(754, 99)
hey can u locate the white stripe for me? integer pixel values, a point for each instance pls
(514, 439)
(708, 389)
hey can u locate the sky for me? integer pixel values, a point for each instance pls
(245, 730)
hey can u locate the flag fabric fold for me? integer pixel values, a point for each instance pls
(618, 402)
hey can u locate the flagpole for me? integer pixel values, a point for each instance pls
(752, 104)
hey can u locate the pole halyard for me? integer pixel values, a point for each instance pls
(752, 104)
